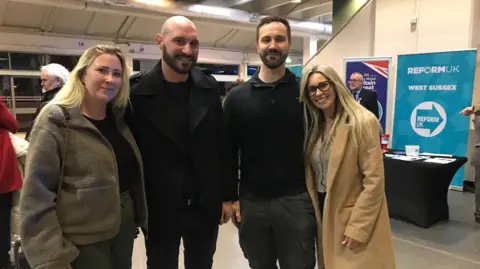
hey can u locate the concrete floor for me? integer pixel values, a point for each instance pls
(453, 244)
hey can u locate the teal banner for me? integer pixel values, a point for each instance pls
(296, 69)
(432, 88)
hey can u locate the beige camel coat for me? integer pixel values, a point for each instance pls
(355, 205)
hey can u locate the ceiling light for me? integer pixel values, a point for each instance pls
(295, 1)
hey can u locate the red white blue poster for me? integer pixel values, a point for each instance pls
(375, 73)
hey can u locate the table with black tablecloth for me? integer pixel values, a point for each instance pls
(417, 191)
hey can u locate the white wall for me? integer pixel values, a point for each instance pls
(355, 40)
(437, 29)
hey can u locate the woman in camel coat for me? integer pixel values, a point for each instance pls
(345, 176)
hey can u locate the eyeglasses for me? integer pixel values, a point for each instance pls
(322, 86)
(354, 80)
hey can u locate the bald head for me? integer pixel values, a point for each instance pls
(179, 42)
(176, 22)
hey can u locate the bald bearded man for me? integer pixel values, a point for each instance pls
(176, 117)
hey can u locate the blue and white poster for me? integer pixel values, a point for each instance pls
(375, 78)
(432, 88)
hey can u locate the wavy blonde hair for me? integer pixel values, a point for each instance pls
(73, 92)
(347, 110)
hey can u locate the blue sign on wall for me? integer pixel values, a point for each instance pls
(432, 88)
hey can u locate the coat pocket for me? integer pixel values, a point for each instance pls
(89, 210)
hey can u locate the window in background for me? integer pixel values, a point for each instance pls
(68, 61)
(27, 61)
(27, 86)
(5, 88)
(252, 69)
(221, 88)
(4, 60)
(136, 65)
(143, 64)
(28, 92)
(218, 69)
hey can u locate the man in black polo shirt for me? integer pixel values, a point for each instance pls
(265, 126)
(177, 119)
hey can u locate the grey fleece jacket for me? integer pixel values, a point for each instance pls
(87, 210)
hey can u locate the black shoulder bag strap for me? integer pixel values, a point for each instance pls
(64, 154)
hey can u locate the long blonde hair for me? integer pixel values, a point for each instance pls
(73, 92)
(347, 110)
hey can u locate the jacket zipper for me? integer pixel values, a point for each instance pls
(114, 158)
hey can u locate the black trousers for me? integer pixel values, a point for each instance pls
(282, 229)
(321, 201)
(5, 243)
(199, 236)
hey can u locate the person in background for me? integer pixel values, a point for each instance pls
(10, 181)
(468, 111)
(83, 196)
(367, 98)
(177, 119)
(264, 120)
(345, 174)
(53, 77)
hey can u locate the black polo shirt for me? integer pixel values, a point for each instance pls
(265, 126)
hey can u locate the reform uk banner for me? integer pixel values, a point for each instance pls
(375, 77)
(432, 88)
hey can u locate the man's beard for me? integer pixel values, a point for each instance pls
(175, 62)
(272, 64)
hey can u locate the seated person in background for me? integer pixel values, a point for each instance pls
(83, 196)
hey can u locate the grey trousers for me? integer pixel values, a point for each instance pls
(282, 229)
(115, 253)
(476, 163)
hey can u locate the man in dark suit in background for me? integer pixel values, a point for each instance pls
(366, 98)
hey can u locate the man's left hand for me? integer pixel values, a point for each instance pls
(226, 212)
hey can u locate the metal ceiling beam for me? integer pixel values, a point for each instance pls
(263, 5)
(128, 26)
(313, 4)
(89, 23)
(224, 41)
(315, 12)
(3, 11)
(225, 3)
(236, 19)
(307, 14)
(49, 19)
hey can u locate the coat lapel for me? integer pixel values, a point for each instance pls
(149, 99)
(363, 96)
(337, 153)
(200, 98)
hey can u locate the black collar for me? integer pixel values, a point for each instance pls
(48, 95)
(196, 77)
(289, 77)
